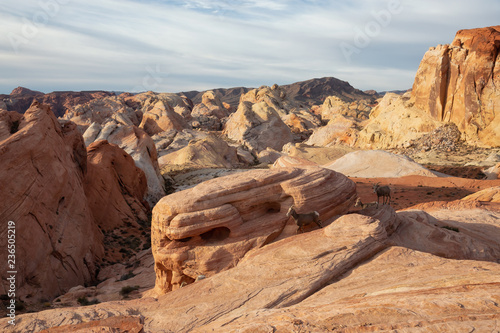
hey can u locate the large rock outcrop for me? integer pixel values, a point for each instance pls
(384, 271)
(139, 145)
(378, 163)
(115, 187)
(258, 126)
(459, 83)
(237, 212)
(43, 166)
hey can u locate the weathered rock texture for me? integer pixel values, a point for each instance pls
(139, 145)
(207, 115)
(115, 187)
(459, 83)
(237, 212)
(43, 166)
(394, 122)
(386, 272)
(211, 152)
(377, 163)
(257, 126)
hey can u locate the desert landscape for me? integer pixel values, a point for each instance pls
(170, 212)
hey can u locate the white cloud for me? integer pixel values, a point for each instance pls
(201, 44)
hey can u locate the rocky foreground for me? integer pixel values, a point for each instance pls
(162, 212)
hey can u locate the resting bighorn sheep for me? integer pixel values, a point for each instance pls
(303, 219)
(382, 191)
(365, 205)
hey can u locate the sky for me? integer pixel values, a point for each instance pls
(183, 45)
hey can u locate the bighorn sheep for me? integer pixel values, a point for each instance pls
(365, 205)
(303, 219)
(384, 192)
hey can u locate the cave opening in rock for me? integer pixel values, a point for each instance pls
(216, 234)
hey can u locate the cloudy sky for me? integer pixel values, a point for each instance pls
(180, 45)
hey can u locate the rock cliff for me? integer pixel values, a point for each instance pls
(43, 167)
(459, 83)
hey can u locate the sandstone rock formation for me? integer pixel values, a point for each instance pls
(358, 274)
(339, 130)
(115, 187)
(207, 115)
(238, 212)
(21, 98)
(377, 163)
(317, 154)
(258, 127)
(459, 83)
(334, 105)
(394, 122)
(100, 110)
(491, 194)
(161, 117)
(43, 166)
(211, 152)
(139, 145)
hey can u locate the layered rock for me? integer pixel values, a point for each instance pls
(237, 212)
(115, 187)
(139, 145)
(459, 83)
(161, 117)
(339, 130)
(334, 105)
(257, 126)
(207, 115)
(43, 165)
(358, 274)
(211, 152)
(100, 111)
(394, 122)
(377, 163)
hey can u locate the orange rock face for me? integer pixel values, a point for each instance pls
(114, 186)
(42, 170)
(237, 212)
(459, 83)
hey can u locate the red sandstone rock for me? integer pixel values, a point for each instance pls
(115, 187)
(161, 117)
(459, 83)
(237, 212)
(42, 167)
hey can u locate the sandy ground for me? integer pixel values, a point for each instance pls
(413, 190)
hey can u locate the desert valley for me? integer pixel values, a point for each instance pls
(170, 212)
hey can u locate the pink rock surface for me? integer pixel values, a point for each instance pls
(238, 212)
(43, 166)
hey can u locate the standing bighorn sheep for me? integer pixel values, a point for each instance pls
(303, 219)
(384, 192)
(365, 205)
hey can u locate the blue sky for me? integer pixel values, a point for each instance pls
(177, 45)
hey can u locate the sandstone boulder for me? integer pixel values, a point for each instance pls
(493, 172)
(339, 130)
(459, 83)
(208, 114)
(316, 154)
(137, 144)
(393, 123)
(258, 127)
(101, 110)
(358, 274)
(377, 163)
(43, 166)
(210, 152)
(161, 117)
(237, 212)
(491, 194)
(115, 187)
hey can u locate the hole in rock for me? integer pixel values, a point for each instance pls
(216, 234)
(184, 240)
(15, 127)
